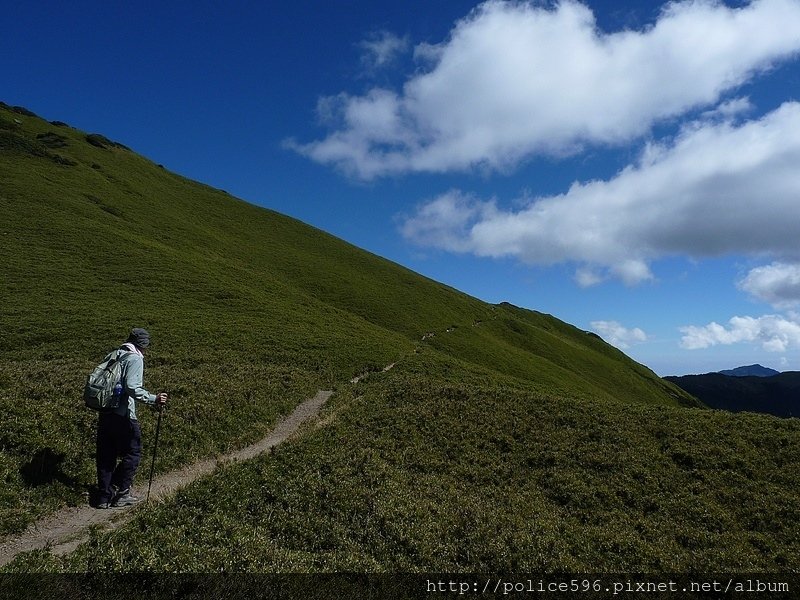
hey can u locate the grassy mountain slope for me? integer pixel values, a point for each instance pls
(251, 311)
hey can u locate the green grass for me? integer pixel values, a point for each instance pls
(509, 440)
(404, 474)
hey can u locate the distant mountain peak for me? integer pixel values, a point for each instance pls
(751, 371)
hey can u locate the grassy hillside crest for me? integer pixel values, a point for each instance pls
(506, 440)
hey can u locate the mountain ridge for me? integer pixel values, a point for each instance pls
(750, 371)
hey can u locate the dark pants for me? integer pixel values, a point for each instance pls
(117, 438)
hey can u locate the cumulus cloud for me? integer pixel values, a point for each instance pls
(381, 49)
(515, 79)
(717, 189)
(586, 277)
(730, 109)
(445, 221)
(617, 335)
(775, 333)
(778, 284)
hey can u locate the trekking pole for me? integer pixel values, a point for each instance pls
(155, 449)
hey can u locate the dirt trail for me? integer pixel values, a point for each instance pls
(365, 375)
(68, 528)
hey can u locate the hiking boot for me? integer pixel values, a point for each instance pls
(124, 498)
(103, 505)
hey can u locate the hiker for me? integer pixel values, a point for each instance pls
(118, 432)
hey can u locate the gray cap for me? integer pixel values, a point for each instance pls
(139, 337)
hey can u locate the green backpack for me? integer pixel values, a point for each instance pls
(100, 393)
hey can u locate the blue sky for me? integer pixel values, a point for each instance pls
(627, 167)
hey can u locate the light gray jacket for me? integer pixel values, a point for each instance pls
(132, 381)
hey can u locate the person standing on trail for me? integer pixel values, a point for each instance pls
(119, 438)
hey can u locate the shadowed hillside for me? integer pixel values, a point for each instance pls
(777, 395)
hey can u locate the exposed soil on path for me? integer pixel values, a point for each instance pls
(64, 530)
(365, 375)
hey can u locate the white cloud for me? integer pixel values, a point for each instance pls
(586, 277)
(775, 333)
(778, 284)
(617, 335)
(444, 222)
(632, 271)
(381, 49)
(730, 109)
(515, 79)
(717, 189)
